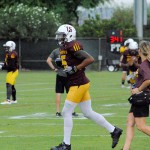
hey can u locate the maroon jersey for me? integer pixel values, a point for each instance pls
(143, 74)
(11, 61)
(68, 59)
(127, 55)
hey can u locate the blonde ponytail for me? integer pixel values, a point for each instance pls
(148, 57)
(145, 48)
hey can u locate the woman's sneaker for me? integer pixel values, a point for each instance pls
(14, 102)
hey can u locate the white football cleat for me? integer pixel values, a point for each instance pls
(6, 102)
(14, 102)
(128, 87)
(122, 86)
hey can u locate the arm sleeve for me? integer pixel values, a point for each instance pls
(52, 55)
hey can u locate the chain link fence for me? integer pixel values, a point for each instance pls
(33, 55)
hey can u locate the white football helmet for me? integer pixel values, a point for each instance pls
(133, 46)
(128, 41)
(10, 46)
(65, 33)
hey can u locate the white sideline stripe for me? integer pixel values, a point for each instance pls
(40, 83)
(61, 124)
(2, 131)
(32, 90)
(50, 116)
(117, 104)
(50, 87)
(75, 135)
(53, 116)
(35, 89)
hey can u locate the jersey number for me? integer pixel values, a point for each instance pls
(63, 58)
(69, 29)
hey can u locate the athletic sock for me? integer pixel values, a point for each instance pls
(13, 93)
(9, 90)
(123, 82)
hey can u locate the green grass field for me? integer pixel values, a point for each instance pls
(31, 123)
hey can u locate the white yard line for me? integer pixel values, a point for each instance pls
(2, 132)
(26, 84)
(116, 104)
(31, 90)
(74, 135)
(44, 115)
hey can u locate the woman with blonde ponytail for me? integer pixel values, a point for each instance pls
(138, 113)
(145, 50)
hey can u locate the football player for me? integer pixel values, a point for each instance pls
(11, 65)
(74, 61)
(131, 61)
(124, 69)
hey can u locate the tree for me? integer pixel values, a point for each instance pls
(65, 10)
(22, 21)
(68, 9)
(123, 17)
(96, 27)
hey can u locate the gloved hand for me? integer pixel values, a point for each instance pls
(70, 69)
(58, 62)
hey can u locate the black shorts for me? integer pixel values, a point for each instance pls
(61, 84)
(125, 69)
(140, 111)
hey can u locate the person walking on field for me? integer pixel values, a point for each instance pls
(11, 65)
(61, 79)
(74, 60)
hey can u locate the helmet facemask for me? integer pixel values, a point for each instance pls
(133, 52)
(9, 46)
(61, 38)
(65, 33)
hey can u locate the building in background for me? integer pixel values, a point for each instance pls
(105, 11)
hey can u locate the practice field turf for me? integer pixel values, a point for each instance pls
(31, 124)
